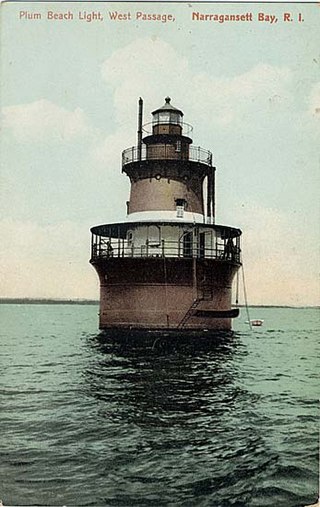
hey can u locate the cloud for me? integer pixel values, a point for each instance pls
(308, 124)
(280, 261)
(230, 101)
(153, 67)
(43, 120)
(314, 101)
(46, 261)
(145, 66)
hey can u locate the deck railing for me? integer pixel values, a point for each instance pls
(150, 127)
(103, 248)
(166, 152)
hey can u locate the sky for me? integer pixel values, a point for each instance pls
(70, 88)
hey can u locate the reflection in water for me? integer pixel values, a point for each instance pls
(163, 382)
(180, 408)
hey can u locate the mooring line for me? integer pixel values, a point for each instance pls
(245, 297)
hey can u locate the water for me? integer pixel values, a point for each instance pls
(88, 423)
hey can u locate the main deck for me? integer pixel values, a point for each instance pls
(167, 240)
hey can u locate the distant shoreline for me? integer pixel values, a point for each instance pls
(44, 301)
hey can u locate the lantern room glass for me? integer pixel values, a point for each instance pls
(166, 117)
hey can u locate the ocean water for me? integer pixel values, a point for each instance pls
(87, 422)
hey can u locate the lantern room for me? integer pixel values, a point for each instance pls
(167, 119)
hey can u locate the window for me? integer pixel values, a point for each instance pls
(164, 117)
(175, 118)
(180, 211)
(154, 235)
(181, 205)
(172, 117)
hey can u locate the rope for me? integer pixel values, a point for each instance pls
(166, 288)
(237, 288)
(245, 297)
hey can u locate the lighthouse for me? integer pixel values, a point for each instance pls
(167, 267)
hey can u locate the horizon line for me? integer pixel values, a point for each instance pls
(44, 300)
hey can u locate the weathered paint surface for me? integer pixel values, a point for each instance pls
(157, 293)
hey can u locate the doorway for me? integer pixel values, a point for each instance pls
(187, 244)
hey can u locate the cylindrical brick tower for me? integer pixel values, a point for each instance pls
(168, 266)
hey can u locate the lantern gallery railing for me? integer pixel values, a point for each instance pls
(224, 250)
(166, 152)
(149, 128)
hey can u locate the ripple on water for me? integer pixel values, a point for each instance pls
(89, 422)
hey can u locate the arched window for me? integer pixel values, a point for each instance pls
(154, 235)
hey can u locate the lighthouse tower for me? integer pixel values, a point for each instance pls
(168, 266)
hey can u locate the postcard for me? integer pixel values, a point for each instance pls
(160, 174)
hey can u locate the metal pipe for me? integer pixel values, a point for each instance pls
(213, 197)
(209, 197)
(140, 128)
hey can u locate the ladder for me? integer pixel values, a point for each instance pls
(188, 314)
(206, 295)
